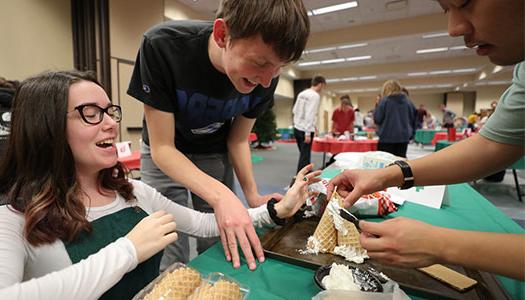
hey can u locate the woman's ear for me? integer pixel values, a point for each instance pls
(220, 32)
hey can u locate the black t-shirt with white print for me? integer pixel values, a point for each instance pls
(173, 73)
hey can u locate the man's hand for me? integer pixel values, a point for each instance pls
(352, 184)
(307, 139)
(236, 229)
(401, 242)
(258, 200)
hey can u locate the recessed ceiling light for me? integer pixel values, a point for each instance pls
(318, 50)
(467, 70)
(309, 63)
(462, 47)
(352, 46)
(333, 8)
(418, 74)
(332, 61)
(354, 58)
(435, 35)
(439, 72)
(482, 75)
(431, 50)
(497, 69)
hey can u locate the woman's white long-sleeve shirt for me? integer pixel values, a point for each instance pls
(46, 272)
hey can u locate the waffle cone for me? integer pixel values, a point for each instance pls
(221, 290)
(176, 285)
(348, 236)
(325, 234)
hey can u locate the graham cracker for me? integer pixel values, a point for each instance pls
(452, 278)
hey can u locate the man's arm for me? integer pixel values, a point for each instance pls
(239, 152)
(232, 218)
(409, 243)
(467, 160)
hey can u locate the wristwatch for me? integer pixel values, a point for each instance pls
(408, 177)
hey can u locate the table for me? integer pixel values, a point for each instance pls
(425, 136)
(132, 162)
(335, 146)
(442, 144)
(278, 280)
(444, 136)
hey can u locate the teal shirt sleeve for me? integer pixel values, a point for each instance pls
(507, 124)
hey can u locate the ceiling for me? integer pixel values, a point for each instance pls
(389, 32)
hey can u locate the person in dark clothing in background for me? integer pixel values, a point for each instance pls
(396, 118)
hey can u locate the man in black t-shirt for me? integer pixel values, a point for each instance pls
(202, 85)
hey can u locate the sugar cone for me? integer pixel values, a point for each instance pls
(176, 285)
(221, 290)
(324, 234)
(348, 235)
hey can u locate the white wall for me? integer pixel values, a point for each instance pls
(487, 94)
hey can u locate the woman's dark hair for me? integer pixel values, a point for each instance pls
(282, 24)
(37, 174)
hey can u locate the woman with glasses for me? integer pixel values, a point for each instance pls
(72, 226)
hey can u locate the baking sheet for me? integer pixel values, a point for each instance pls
(283, 243)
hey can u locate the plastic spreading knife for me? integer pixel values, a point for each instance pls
(345, 214)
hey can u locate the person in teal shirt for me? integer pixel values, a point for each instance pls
(496, 30)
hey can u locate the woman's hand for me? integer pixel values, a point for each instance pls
(298, 192)
(152, 234)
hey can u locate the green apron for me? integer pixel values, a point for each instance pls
(106, 230)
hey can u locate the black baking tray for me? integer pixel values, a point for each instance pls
(284, 243)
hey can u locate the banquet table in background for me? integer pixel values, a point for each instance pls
(440, 136)
(425, 136)
(132, 162)
(334, 146)
(275, 279)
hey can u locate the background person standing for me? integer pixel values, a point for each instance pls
(343, 117)
(305, 112)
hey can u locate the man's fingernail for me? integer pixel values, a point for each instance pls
(261, 259)
(252, 266)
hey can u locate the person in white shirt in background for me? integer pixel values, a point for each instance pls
(305, 112)
(72, 225)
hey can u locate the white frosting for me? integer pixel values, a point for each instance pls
(333, 209)
(340, 277)
(313, 246)
(351, 253)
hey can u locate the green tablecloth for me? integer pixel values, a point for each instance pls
(442, 144)
(277, 280)
(425, 136)
(519, 165)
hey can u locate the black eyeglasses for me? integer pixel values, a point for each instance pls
(94, 114)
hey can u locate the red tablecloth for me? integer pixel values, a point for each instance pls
(438, 136)
(334, 146)
(132, 162)
(252, 137)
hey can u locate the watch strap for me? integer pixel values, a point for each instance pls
(408, 177)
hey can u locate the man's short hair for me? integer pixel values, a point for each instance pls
(345, 99)
(284, 25)
(317, 80)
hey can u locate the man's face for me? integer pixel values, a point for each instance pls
(249, 62)
(495, 27)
